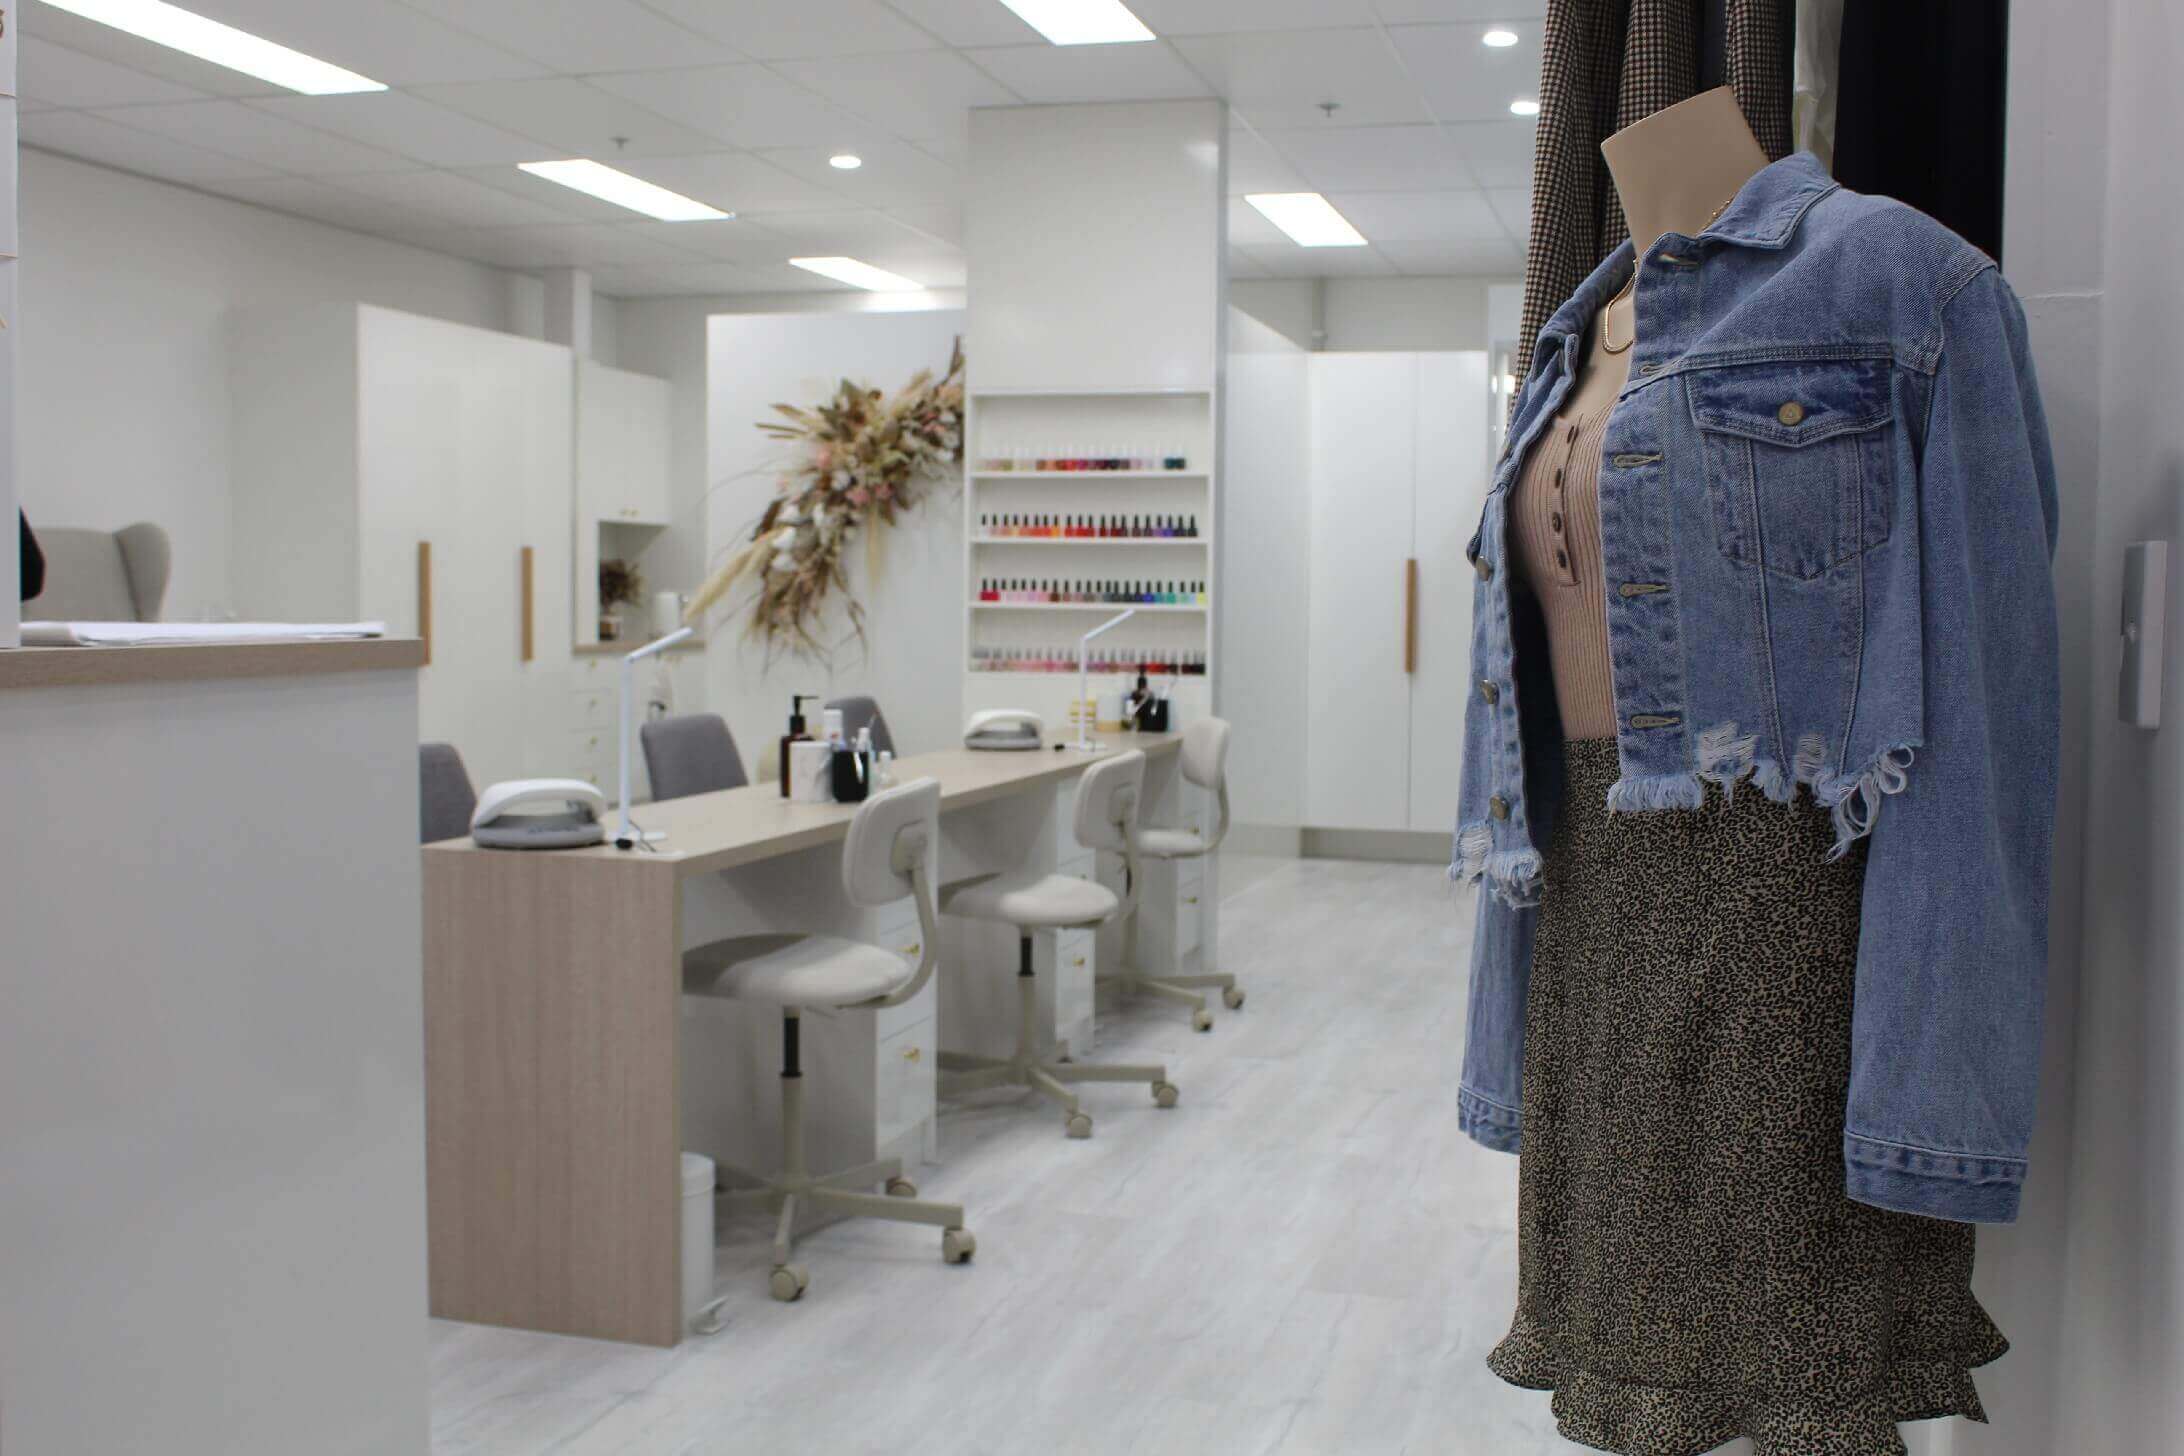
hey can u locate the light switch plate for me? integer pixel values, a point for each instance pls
(2145, 612)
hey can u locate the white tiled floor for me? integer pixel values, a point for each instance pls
(1305, 1257)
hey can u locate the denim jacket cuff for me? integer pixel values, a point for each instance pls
(1954, 1186)
(1488, 1123)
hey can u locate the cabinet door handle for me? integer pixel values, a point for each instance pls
(424, 598)
(1190, 899)
(1078, 961)
(1410, 615)
(528, 601)
(911, 1054)
(914, 948)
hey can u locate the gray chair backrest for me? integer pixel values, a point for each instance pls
(102, 576)
(691, 754)
(864, 713)
(1107, 802)
(445, 799)
(872, 872)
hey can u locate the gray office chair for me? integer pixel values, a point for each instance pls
(864, 713)
(691, 754)
(446, 800)
(102, 576)
(1205, 763)
(1107, 799)
(883, 860)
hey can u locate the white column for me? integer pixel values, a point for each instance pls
(10, 605)
(568, 309)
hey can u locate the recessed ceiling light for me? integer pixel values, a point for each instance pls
(1499, 38)
(1307, 217)
(1524, 106)
(223, 45)
(861, 275)
(845, 161)
(623, 190)
(1081, 22)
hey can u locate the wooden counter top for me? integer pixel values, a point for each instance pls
(708, 832)
(51, 667)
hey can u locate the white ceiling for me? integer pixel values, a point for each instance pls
(739, 103)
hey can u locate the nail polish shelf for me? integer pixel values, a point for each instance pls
(1091, 540)
(1079, 477)
(1109, 607)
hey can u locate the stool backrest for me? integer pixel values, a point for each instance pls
(1205, 763)
(877, 859)
(864, 712)
(690, 754)
(1107, 802)
(445, 797)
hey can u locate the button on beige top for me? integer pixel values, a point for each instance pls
(1555, 528)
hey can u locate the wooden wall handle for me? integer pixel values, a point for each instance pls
(1410, 615)
(424, 598)
(529, 642)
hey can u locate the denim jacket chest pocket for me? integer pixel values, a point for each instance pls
(1797, 457)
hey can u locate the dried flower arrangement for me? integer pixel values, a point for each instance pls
(619, 582)
(862, 459)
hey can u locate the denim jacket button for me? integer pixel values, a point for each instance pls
(1498, 807)
(1484, 567)
(1791, 413)
(1489, 691)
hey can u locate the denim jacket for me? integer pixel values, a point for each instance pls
(1827, 513)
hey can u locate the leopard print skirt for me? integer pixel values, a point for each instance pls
(1689, 1269)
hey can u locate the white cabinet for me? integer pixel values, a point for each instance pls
(1398, 473)
(622, 424)
(418, 472)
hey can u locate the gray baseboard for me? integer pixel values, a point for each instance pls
(1281, 841)
(1402, 846)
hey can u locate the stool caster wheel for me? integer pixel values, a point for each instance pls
(1078, 1125)
(957, 1245)
(1201, 1021)
(1233, 998)
(1166, 1093)
(788, 1282)
(901, 1188)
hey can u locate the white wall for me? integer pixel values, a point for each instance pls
(913, 663)
(128, 286)
(1379, 314)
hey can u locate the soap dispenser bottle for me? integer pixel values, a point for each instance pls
(797, 734)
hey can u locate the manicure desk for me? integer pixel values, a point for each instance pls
(565, 1074)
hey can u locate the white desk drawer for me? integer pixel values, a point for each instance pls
(908, 942)
(1073, 973)
(903, 1082)
(596, 707)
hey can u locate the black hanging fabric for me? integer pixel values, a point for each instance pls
(1921, 109)
(31, 558)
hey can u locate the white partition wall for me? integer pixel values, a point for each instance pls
(10, 605)
(1097, 243)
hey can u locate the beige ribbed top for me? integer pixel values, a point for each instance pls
(1554, 522)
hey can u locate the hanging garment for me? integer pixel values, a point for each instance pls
(1609, 64)
(1827, 515)
(1689, 1269)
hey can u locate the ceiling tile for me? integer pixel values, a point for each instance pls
(1478, 256)
(748, 106)
(893, 174)
(1242, 265)
(1057, 74)
(941, 224)
(1463, 78)
(923, 96)
(568, 245)
(1291, 261)
(1211, 17)
(576, 37)
(323, 202)
(565, 203)
(1375, 159)
(118, 47)
(383, 39)
(1407, 12)
(1513, 205)
(1392, 217)
(258, 136)
(771, 30)
(734, 241)
(1255, 166)
(452, 199)
(1499, 152)
(62, 77)
(735, 182)
(970, 22)
(862, 233)
(572, 117)
(1280, 79)
(671, 280)
(1248, 227)
(400, 122)
(95, 139)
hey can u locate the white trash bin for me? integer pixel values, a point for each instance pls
(697, 1239)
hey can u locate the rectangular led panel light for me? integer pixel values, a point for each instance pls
(1308, 218)
(223, 45)
(623, 190)
(861, 275)
(1081, 22)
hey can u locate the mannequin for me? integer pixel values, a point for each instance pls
(1673, 171)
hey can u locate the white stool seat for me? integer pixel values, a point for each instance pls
(1172, 843)
(1032, 901)
(794, 970)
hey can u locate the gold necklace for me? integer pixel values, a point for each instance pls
(1608, 345)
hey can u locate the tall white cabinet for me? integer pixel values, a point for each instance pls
(420, 472)
(1398, 474)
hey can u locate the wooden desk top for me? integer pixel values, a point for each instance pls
(708, 832)
(53, 667)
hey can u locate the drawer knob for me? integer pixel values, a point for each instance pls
(1078, 961)
(915, 947)
(1190, 899)
(910, 1054)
